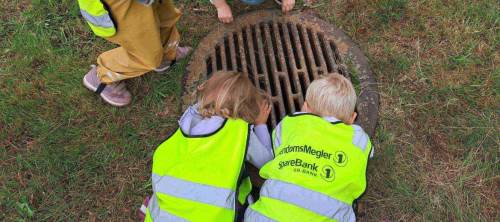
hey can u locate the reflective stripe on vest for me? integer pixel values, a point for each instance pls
(200, 178)
(315, 176)
(308, 199)
(97, 17)
(254, 216)
(102, 20)
(193, 191)
(159, 214)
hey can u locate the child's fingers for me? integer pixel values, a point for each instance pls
(227, 19)
(265, 105)
(268, 109)
(288, 6)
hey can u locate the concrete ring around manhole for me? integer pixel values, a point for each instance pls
(282, 55)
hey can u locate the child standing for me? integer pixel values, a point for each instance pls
(199, 172)
(320, 159)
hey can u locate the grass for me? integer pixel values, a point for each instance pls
(67, 156)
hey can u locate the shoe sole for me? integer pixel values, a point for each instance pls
(176, 59)
(93, 89)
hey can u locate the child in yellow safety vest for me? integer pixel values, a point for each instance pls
(320, 160)
(199, 172)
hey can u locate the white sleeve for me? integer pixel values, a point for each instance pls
(258, 154)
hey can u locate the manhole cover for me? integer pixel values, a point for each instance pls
(282, 55)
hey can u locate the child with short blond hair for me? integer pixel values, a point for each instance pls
(199, 172)
(320, 162)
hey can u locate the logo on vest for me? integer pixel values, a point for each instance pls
(300, 166)
(340, 158)
(328, 173)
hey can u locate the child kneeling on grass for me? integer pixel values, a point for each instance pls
(199, 172)
(320, 159)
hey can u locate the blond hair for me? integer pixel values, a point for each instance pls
(332, 95)
(230, 95)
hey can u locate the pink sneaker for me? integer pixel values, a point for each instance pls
(182, 52)
(115, 94)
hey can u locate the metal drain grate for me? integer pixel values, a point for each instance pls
(281, 55)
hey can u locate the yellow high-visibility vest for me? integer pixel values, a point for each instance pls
(200, 178)
(318, 171)
(97, 17)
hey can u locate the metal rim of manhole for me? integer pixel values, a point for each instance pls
(282, 55)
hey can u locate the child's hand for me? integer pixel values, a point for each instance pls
(224, 12)
(287, 5)
(265, 109)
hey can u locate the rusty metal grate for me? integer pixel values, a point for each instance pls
(281, 55)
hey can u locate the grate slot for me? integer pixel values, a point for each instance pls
(310, 41)
(289, 58)
(208, 65)
(298, 104)
(333, 47)
(273, 71)
(318, 53)
(327, 54)
(298, 45)
(213, 57)
(248, 60)
(310, 63)
(304, 83)
(264, 58)
(237, 50)
(282, 57)
(250, 55)
(232, 50)
(243, 59)
(274, 45)
(218, 57)
(287, 96)
(293, 45)
(227, 53)
(271, 61)
(256, 51)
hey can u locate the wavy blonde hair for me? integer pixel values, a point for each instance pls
(230, 95)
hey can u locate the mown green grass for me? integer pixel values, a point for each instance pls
(67, 156)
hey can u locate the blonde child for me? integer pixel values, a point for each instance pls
(320, 159)
(199, 172)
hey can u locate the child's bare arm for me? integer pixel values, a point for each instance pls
(223, 11)
(287, 5)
